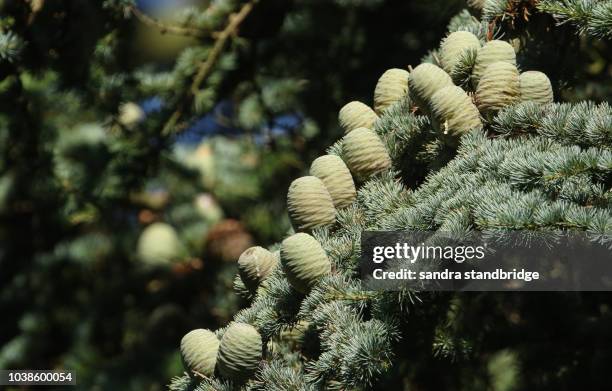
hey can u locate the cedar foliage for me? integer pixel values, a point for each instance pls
(95, 147)
(530, 166)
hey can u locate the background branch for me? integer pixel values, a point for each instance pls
(166, 28)
(206, 67)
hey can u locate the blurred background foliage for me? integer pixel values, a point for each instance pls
(116, 116)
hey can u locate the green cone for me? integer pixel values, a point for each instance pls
(391, 87)
(498, 87)
(356, 115)
(159, 244)
(535, 87)
(309, 204)
(239, 352)
(492, 51)
(424, 81)
(254, 265)
(304, 261)
(365, 153)
(199, 351)
(337, 179)
(453, 47)
(453, 112)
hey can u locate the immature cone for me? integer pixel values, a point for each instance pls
(337, 179)
(391, 87)
(498, 88)
(199, 351)
(492, 51)
(130, 114)
(454, 112)
(356, 115)
(424, 81)
(309, 204)
(304, 261)
(254, 265)
(239, 352)
(208, 208)
(535, 87)
(365, 153)
(453, 47)
(158, 244)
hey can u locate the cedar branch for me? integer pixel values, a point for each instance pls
(166, 28)
(206, 67)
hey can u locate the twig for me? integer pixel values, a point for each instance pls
(166, 28)
(206, 67)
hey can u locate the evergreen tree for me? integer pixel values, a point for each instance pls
(473, 138)
(114, 226)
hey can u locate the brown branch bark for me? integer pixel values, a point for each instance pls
(171, 29)
(207, 66)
